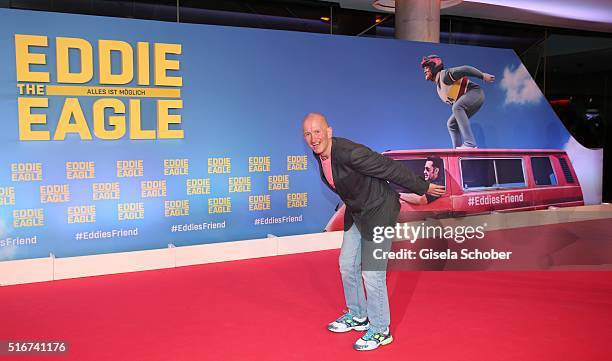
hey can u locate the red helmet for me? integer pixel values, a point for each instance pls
(434, 63)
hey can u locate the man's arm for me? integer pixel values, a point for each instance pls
(454, 74)
(413, 198)
(376, 165)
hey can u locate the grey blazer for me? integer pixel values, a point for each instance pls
(360, 178)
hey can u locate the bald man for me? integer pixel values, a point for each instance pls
(359, 176)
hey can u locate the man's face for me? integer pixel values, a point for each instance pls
(430, 172)
(428, 73)
(317, 134)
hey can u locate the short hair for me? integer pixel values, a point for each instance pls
(316, 114)
(437, 162)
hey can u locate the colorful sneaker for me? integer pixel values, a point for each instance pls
(371, 340)
(347, 322)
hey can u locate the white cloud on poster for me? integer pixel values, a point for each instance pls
(520, 87)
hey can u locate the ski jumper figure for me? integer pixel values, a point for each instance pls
(464, 96)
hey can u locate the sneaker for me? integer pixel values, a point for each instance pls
(466, 147)
(347, 322)
(371, 340)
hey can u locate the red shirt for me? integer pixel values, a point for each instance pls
(327, 171)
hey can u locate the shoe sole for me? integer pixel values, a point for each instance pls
(385, 342)
(356, 328)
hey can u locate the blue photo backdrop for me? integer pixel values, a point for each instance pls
(244, 93)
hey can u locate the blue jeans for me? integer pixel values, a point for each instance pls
(376, 307)
(459, 122)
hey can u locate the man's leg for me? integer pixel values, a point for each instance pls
(476, 96)
(463, 109)
(350, 269)
(375, 280)
(378, 299)
(374, 270)
(453, 130)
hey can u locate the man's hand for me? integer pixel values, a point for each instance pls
(489, 78)
(436, 190)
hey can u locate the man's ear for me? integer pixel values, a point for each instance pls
(436, 171)
(329, 132)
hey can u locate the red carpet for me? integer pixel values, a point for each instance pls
(276, 309)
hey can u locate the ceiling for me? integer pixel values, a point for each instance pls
(593, 15)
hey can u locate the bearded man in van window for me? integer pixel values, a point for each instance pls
(433, 172)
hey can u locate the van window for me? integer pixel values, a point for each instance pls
(492, 173)
(543, 173)
(478, 173)
(510, 172)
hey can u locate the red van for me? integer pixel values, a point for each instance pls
(482, 181)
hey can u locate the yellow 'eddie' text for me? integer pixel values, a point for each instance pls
(113, 118)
